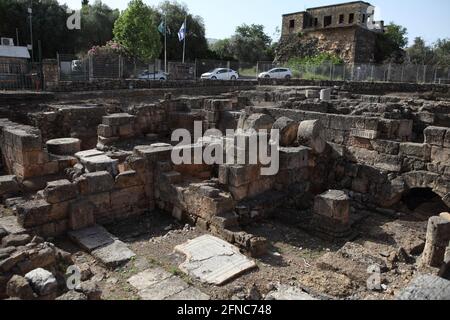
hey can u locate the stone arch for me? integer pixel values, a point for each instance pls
(427, 180)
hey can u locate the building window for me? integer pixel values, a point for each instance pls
(341, 19)
(351, 18)
(292, 24)
(363, 18)
(327, 20)
(316, 22)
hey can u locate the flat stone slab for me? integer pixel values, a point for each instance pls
(284, 292)
(10, 224)
(114, 254)
(88, 153)
(92, 238)
(213, 260)
(158, 284)
(426, 287)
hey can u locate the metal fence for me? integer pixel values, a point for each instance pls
(366, 72)
(20, 76)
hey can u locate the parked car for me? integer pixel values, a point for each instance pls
(277, 73)
(221, 74)
(159, 75)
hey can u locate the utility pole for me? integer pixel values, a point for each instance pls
(165, 43)
(17, 37)
(185, 34)
(30, 11)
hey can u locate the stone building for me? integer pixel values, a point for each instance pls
(347, 30)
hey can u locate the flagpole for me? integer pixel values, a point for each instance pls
(184, 40)
(165, 43)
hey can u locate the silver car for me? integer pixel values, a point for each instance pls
(159, 75)
(277, 73)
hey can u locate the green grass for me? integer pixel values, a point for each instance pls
(248, 72)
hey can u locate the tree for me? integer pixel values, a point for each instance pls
(390, 44)
(397, 35)
(196, 43)
(222, 48)
(420, 53)
(442, 51)
(49, 25)
(97, 22)
(249, 44)
(136, 29)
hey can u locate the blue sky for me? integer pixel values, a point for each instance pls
(428, 19)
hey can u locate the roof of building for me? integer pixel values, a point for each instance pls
(14, 52)
(329, 6)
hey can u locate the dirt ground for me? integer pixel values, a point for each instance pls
(292, 259)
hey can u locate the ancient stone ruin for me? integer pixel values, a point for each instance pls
(95, 207)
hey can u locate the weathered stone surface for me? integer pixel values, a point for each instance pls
(42, 281)
(258, 121)
(72, 295)
(114, 254)
(92, 238)
(158, 284)
(285, 292)
(60, 191)
(101, 163)
(64, 146)
(95, 182)
(325, 94)
(426, 287)
(333, 204)
(437, 241)
(435, 135)
(15, 240)
(19, 287)
(287, 130)
(311, 134)
(90, 289)
(8, 185)
(11, 225)
(213, 260)
(81, 215)
(33, 213)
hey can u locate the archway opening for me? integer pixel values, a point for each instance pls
(424, 202)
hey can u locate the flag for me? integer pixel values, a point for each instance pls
(162, 27)
(182, 32)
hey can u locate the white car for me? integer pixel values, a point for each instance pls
(147, 75)
(277, 73)
(221, 74)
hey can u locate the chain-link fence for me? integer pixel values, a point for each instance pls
(365, 72)
(113, 66)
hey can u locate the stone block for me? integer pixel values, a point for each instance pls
(33, 213)
(288, 129)
(118, 119)
(435, 135)
(106, 131)
(259, 121)
(127, 179)
(334, 204)
(416, 150)
(64, 146)
(242, 175)
(441, 155)
(311, 133)
(366, 134)
(101, 163)
(294, 157)
(127, 197)
(42, 281)
(81, 215)
(95, 182)
(60, 191)
(8, 185)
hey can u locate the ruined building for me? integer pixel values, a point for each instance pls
(88, 181)
(347, 30)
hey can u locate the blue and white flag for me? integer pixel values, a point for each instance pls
(182, 32)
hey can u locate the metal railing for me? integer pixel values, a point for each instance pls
(20, 76)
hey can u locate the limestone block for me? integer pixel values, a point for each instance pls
(33, 213)
(364, 133)
(385, 146)
(95, 182)
(325, 94)
(416, 150)
(64, 146)
(294, 157)
(435, 135)
(312, 94)
(101, 163)
(241, 175)
(127, 179)
(259, 121)
(18, 287)
(312, 134)
(60, 191)
(118, 119)
(287, 129)
(441, 155)
(8, 185)
(42, 281)
(334, 204)
(106, 131)
(81, 215)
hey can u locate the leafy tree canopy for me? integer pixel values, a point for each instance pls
(136, 29)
